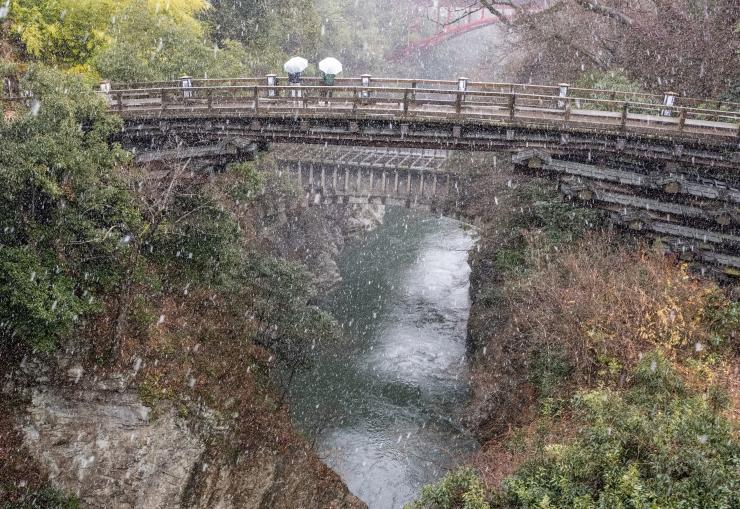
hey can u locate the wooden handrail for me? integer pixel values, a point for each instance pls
(572, 91)
(420, 91)
(435, 98)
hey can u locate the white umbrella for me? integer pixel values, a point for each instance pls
(295, 64)
(330, 66)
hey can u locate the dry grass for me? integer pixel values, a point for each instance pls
(604, 306)
(598, 307)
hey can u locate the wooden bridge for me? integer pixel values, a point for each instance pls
(664, 165)
(462, 115)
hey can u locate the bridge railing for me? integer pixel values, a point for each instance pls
(577, 93)
(400, 102)
(496, 102)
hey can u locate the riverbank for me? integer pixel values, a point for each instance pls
(573, 325)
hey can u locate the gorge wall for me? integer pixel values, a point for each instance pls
(127, 437)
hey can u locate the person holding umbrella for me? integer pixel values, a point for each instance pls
(329, 68)
(294, 67)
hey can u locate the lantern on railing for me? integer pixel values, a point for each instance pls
(186, 83)
(271, 82)
(562, 92)
(105, 90)
(669, 99)
(365, 80)
(462, 84)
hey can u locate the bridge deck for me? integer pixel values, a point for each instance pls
(484, 105)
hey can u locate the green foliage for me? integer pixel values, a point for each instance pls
(461, 489)
(250, 181)
(277, 292)
(62, 32)
(613, 80)
(546, 370)
(196, 241)
(271, 31)
(72, 33)
(654, 446)
(361, 34)
(544, 208)
(46, 498)
(150, 44)
(724, 320)
(64, 216)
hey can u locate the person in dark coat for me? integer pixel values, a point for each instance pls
(294, 80)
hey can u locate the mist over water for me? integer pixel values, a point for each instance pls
(384, 404)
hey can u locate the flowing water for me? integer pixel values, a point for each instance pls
(384, 404)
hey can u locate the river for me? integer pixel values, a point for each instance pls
(383, 406)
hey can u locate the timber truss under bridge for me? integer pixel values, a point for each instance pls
(663, 164)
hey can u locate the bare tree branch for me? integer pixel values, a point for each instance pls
(500, 15)
(604, 10)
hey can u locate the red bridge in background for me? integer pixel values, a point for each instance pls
(452, 18)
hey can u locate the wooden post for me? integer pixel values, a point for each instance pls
(458, 102)
(625, 109)
(209, 96)
(405, 101)
(512, 106)
(413, 91)
(120, 101)
(256, 96)
(566, 112)
(354, 101)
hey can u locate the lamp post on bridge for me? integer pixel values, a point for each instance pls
(462, 83)
(186, 82)
(105, 89)
(562, 92)
(271, 82)
(669, 99)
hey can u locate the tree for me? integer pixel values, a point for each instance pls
(62, 32)
(147, 44)
(271, 31)
(74, 33)
(277, 292)
(686, 46)
(65, 218)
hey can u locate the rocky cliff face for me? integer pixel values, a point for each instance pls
(316, 235)
(99, 441)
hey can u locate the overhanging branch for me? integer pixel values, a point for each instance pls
(604, 10)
